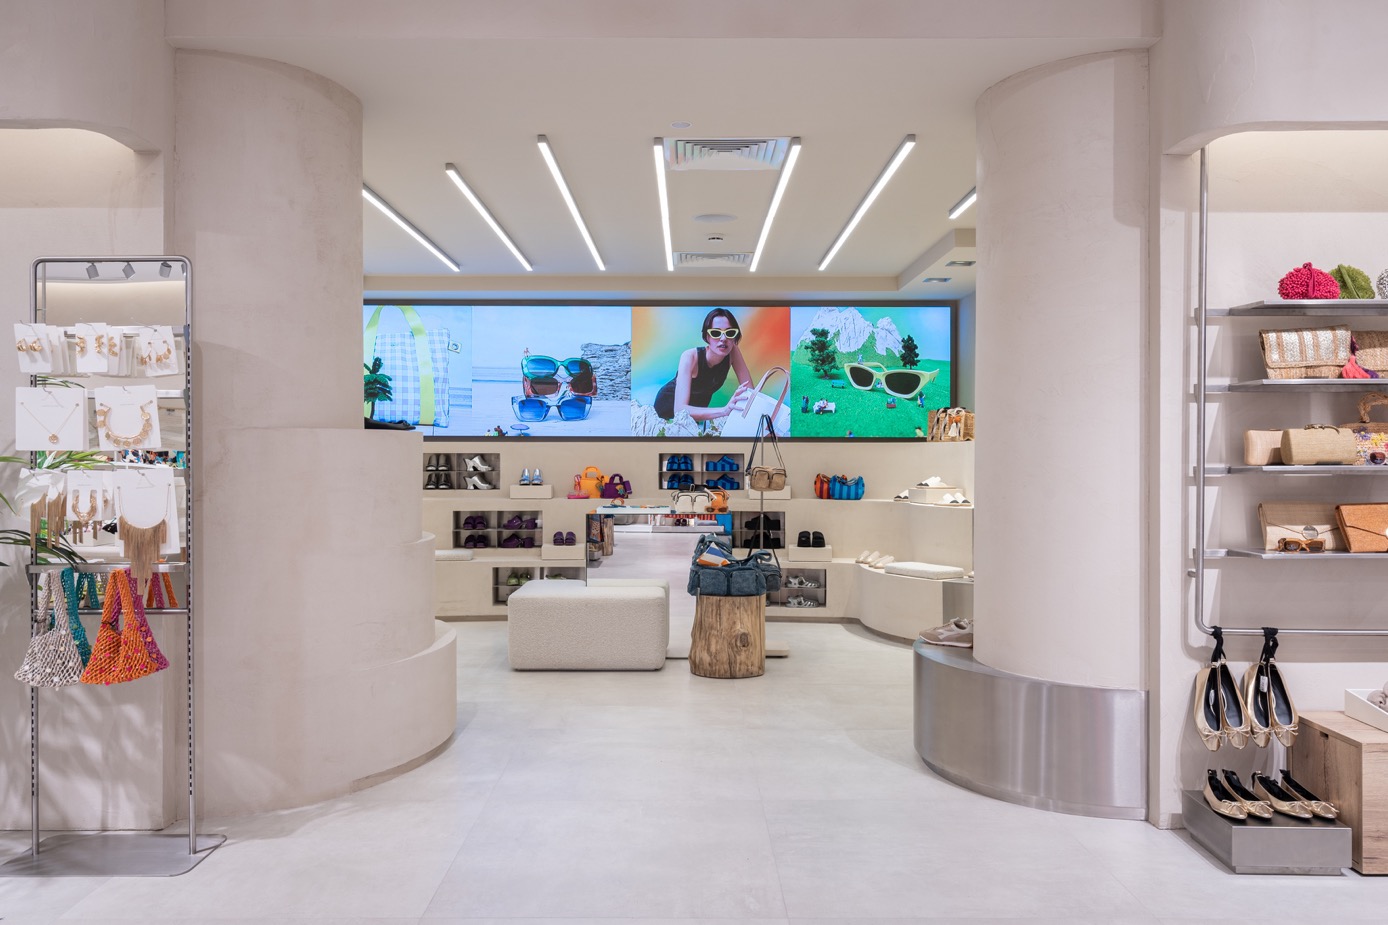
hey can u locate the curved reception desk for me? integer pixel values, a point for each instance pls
(1058, 747)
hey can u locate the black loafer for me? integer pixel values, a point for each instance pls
(818, 541)
(804, 539)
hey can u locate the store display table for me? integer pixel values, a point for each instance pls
(729, 637)
(1346, 762)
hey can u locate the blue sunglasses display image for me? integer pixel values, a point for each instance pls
(571, 407)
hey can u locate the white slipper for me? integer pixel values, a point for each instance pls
(865, 555)
(904, 496)
(883, 562)
(933, 482)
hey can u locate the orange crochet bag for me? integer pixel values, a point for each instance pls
(123, 653)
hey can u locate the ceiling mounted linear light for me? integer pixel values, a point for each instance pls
(558, 175)
(492, 223)
(962, 205)
(781, 182)
(664, 202)
(370, 196)
(902, 150)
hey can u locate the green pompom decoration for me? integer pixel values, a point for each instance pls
(1354, 282)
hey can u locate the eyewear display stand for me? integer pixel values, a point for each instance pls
(108, 854)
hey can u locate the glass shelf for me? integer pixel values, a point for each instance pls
(1297, 385)
(1302, 307)
(1297, 470)
(1292, 556)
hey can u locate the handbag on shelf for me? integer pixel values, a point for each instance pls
(1299, 520)
(1372, 350)
(763, 477)
(1305, 353)
(718, 501)
(843, 488)
(1307, 282)
(1262, 447)
(616, 487)
(761, 405)
(591, 480)
(1319, 444)
(1364, 526)
(52, 659)
(1369, 436)
(128, 652)
(691, 501)
(821, 486)
(950, 425)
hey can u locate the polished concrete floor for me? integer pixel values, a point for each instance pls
(654, 797)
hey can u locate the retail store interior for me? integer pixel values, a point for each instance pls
(853, 462)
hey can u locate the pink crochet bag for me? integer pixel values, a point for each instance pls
(1306, 282)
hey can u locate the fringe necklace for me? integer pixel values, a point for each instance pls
(141, 547)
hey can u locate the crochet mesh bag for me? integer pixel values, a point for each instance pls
(1354, 282)
(1306, 282)
(52, 659)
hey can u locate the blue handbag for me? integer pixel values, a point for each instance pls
(842, 488)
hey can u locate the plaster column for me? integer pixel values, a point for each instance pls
(1060, 332)
(314, 586)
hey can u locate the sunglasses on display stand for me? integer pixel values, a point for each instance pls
(903, 383)
(532, 409)
(543, 375)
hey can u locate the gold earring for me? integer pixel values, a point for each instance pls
(112, 346)
(22, 346)
(36, 345)
(81, 345)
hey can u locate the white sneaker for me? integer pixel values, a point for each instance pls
(537, 478)
(864, 556)
(903, 496)
(525, 477)
(933, 482)
(957, 633)
(882, 562)
(475, 464)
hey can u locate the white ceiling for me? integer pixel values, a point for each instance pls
(474, 83)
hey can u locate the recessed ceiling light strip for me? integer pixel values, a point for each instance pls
(962, 205)
(791, 155)
(370, 196)
(902, 150)
(558, 175)
(664, 202)
(466, 190)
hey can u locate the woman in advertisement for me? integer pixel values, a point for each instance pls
(703, 370)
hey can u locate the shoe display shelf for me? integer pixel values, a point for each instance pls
(497, 527)
(693, 469)
(755, 530)
(818, 595)
(502, 577)
(452, 471)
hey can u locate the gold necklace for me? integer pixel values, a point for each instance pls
(87, 519)
(125, 441)
(53, 434)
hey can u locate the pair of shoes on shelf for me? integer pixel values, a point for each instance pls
(763, 541)
(517, 522)
(475, 464)
(726, 464)
(439, 480)
(762, 522)
(800, 600)
(933, 481)
(563, 539)
(439, 462)
(903, 496)
(725, 482)
(954, 499)
(518, 578)
(475, 522)
(476, 541)
(1261, 711)
(679, 464)
(958, 633)
(476, 482)
(800, 581)
(532, 478)
(1229, 797)
(679, 482)
(874, 559)
(811, 540)
(516, 541)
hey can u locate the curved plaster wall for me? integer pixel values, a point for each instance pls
(1060, 333)
(314, 582)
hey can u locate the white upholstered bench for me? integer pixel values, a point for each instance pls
(619, 624)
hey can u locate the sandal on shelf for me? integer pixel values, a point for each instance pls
(817, 540)
(798, 581)
(569, 538)
(882, 563)
(803, 539)
(800, 601)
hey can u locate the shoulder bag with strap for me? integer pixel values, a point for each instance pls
(764, 477)
(52, 659)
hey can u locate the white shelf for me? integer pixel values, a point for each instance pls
(1296, 385)
(1297, 470)
(1302, 308)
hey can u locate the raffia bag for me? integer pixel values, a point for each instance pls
(1318, 445)
(1373, 350)
(1299, 520)
(951, 425)
(1262, 447)
(1369, 436)
(1365, 526)
(1305, 353)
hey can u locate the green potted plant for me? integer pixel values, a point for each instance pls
(377, 385)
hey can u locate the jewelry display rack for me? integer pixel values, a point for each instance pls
(1203, 389)
(125, 853)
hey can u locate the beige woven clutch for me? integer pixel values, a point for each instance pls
(1373, 350)
(1306, 353)
(1301, 520)
(1262, 447)
(1318, 445)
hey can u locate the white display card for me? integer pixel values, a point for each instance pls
(49, 419)
(35, 351)
(127, 417)
(156, 354)
(145, 495)
(89, 346)
(90, 493)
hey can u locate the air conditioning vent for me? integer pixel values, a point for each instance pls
(700, 261)
(725, 153)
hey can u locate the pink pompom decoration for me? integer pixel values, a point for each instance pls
(1306, 282)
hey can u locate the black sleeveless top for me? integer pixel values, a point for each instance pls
(707, 381)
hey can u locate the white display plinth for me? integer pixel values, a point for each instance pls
(778, 495)
(934, 495)
(823, 553)
(532, 491)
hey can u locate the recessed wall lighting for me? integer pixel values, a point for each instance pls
(962, 205)
(679, 125)
(486, 215)
(664, 203)
(936, 279)
(792, 154)
(370, 196)
(902, 150)
(961, 263)
(558, 175)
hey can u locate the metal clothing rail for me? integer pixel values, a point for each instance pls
(1202, 389)
(107, 853)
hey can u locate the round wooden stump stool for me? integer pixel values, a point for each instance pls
(729, 637)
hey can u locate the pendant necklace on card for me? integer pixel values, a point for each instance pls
(52, 433)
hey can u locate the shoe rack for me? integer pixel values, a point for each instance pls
(756, 530)
(461, 472)
(506, 579)
(794, 594)
(503, 531)
(683, 470)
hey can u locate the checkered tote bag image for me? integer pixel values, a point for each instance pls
(417, 364)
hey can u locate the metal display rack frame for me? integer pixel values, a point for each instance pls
(108, 853)
(1314, 308)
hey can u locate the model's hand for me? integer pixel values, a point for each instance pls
(741, 399)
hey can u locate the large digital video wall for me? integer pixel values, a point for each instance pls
(662, 370)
